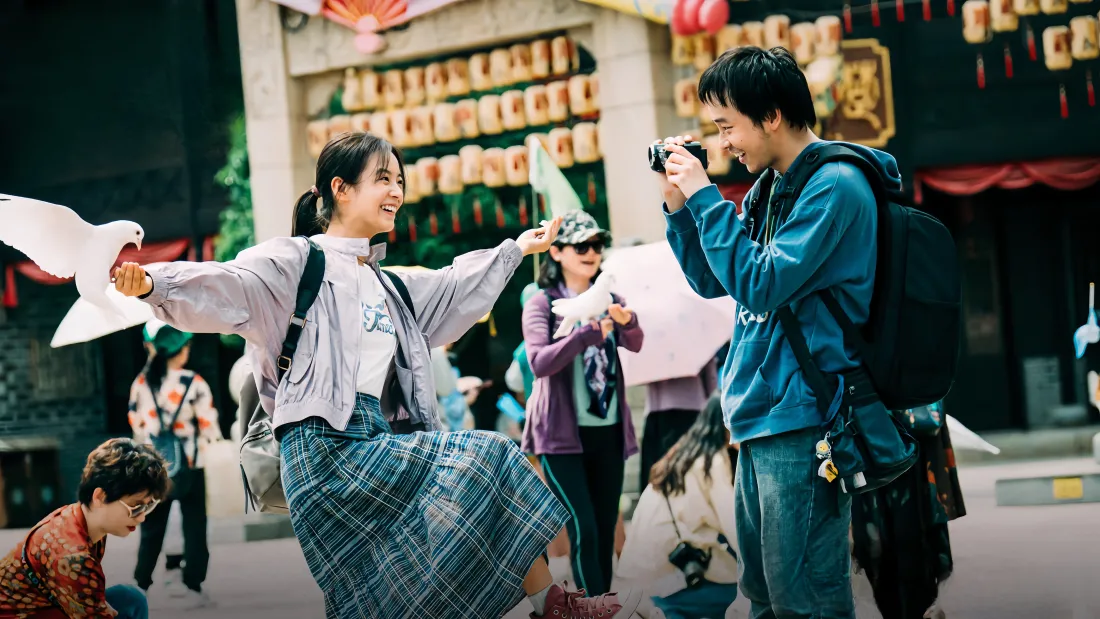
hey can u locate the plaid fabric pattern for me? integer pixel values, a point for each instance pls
(428, 524)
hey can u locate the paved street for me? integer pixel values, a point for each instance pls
(1026, 563)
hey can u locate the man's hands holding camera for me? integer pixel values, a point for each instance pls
(684, 173)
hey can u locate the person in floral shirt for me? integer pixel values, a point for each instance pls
(56, 571)
(179, 420)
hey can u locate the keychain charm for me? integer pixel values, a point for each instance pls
(827, 470)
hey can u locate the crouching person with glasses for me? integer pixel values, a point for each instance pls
(57, 571)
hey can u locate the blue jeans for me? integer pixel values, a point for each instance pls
(707, 600)
(128, 601)
(792, 531)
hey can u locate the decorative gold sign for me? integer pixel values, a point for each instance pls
(865, 108)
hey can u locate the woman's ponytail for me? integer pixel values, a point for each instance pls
(306, 219)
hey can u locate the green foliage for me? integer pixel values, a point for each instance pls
(236, 232)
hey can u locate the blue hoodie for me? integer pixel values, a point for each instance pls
(827, 241)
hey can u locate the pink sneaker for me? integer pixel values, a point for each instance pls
(573, 605)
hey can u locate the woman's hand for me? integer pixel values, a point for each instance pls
(619, 313)
(606, 326)
(540, 239)
(131, 280)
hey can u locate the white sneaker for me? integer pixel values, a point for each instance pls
(173, 584)
(195, 599)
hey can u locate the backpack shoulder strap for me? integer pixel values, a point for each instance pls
(827, 153)
(823, 393)
(402, 290)
(185, 382)
(308, 287)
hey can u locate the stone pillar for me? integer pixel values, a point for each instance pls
(636, 107)
(281, 169)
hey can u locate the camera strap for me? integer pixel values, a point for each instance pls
(673, 516)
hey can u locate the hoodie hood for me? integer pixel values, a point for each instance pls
(883, 161)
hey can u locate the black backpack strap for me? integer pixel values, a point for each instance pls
(402, 291)
(800, 173)
(308, 287)
(817, 381)
(792, 187)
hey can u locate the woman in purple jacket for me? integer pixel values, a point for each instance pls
(578, 420)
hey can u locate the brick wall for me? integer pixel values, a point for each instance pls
(50, 392)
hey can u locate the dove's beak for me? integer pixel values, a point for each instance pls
(139, 244)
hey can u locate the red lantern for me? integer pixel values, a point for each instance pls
(713, 15)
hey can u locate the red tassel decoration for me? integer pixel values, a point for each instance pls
(523, 211)
(1088, 87)
(1008, 61)
(847, 18)
(542, 210)
(591, 189)
(456, 223)
(477, 213)
(1031, 43)
(433, 224)
(393, 234)
(899, 6)
(412, 229)
(1062, 100)
(11, 301)
(500, 215)
(981, 72)
(926, 9)
(876, 20)
(951, 7)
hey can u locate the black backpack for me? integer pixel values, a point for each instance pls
(910, 343)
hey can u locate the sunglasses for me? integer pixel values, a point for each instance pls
(582, 248)
(136, 511)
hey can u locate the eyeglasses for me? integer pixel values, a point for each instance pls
(582, 248)
(136, 511)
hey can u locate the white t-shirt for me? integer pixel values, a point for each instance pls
(378, 342)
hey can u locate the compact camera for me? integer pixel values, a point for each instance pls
(658, 155)
(691, 561)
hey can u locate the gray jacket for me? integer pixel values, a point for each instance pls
(253, 296)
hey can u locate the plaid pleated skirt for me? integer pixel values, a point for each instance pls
(428, 524)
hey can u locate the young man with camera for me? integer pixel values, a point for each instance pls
(792, 516)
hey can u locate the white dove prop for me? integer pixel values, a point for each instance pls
(64, 245)
(585, 307)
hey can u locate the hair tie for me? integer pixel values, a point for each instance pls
(313, 190)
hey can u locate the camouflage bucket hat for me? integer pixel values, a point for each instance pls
(578, 227)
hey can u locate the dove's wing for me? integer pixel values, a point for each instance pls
(49, 234)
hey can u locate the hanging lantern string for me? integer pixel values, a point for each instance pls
(853, 9)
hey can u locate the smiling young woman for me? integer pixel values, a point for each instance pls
(395, 518)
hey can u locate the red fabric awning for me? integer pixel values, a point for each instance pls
(166, 251)
(1067, 174)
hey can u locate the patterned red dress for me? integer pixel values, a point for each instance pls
(68, 563)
